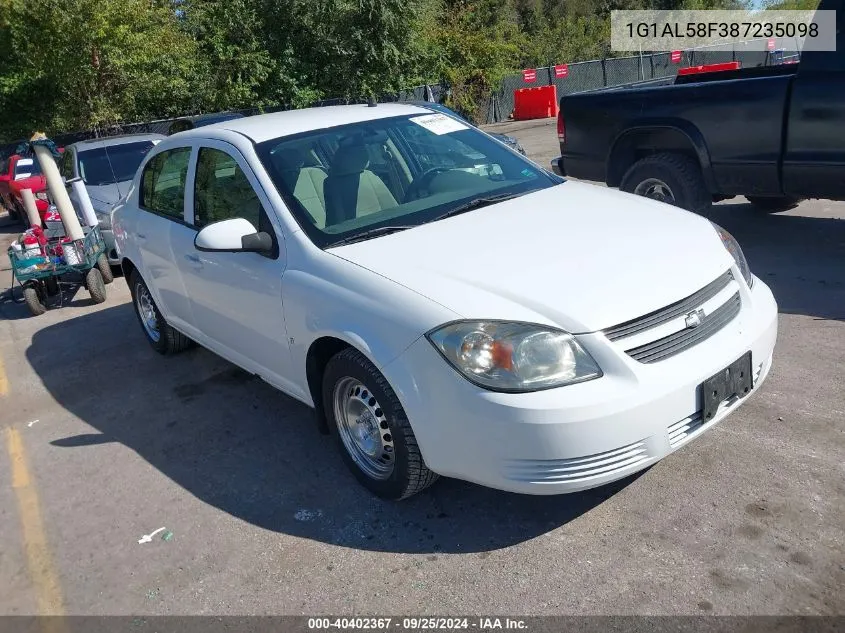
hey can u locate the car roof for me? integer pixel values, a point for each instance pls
(122, 139)
(264, 127)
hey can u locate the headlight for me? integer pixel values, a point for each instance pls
(736, 252)
(513, 357)
(41, 195)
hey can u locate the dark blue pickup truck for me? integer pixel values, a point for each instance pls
(774, 134)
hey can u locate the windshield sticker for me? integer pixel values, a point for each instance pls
(439, 123)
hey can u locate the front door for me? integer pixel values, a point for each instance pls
(236, 298)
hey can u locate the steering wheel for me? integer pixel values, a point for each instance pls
(422, 183)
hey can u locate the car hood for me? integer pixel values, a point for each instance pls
(579, 256)
(107, 195)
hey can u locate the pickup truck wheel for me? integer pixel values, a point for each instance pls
(773, 205)
(163, 338)
(671, 178)
(371, 428)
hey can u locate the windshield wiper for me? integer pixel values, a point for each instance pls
(476, 203)
(359, 237)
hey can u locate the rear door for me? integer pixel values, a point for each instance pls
(164, 236)
(236, 298)
(814, 157)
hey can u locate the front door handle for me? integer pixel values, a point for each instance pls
(196, 262)
(141, 236)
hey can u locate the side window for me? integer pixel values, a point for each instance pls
(163, 183)
(222, 191)
(66, 166)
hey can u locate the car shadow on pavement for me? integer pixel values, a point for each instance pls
(801, 258)
(241, 446)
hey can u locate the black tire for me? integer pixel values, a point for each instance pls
(775, 204)
(105, 269)
(681, 175)
(410, 475)
(95, 284)
(34, 298)
(170, 341)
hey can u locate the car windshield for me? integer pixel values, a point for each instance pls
(116, 163)
(26, 167)
(398, 172)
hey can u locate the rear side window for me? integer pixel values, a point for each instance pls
(163, 183)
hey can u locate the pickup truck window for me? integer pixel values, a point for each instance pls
(163, 183)
(405, 170)
(27, 167)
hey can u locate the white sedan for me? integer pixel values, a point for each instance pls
(447, 306)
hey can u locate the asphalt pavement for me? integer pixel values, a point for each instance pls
(103, 442)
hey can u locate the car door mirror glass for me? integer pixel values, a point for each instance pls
(232, 235)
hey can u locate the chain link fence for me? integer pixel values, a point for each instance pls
(623, 71)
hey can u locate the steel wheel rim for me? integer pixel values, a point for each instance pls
(363, 428)
(146, 310)
(655, 189)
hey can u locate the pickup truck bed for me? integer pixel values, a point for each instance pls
(774, 134)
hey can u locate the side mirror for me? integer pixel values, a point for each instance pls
(236, 235)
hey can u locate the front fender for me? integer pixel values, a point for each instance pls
(375, 315)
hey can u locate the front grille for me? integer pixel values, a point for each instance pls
(680, 431)
(579, 468)
(676, 343)
(670, 312)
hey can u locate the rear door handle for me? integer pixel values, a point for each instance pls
(141, 236)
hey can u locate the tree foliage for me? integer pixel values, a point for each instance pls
(87, 64)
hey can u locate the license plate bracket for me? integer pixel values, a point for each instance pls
(733, 380)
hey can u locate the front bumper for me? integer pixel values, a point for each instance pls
(580, 436)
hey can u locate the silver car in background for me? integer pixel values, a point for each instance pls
(107, 167)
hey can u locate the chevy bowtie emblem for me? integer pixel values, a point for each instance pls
(693, 319)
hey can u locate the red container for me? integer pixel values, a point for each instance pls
(535, 103)
(712, 68)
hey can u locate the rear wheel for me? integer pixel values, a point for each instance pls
(33, 295)
(105, 269)
(161, 336)
(372, 430)
(774, 204)
(671, 178)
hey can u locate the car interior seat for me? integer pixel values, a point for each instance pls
(351, 189)
(305, 182)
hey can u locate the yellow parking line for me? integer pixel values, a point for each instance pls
(4, 382)
(41, 570)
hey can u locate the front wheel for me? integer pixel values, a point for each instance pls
(33, 295)
(774, 204)
(96, 286)
(105, 269)
(372, 430)
(671, 178)
(161, 336)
